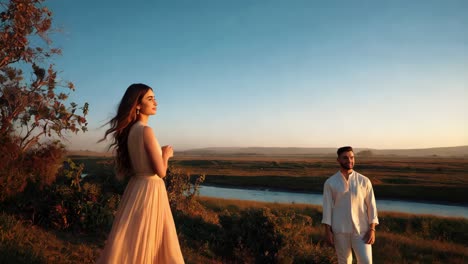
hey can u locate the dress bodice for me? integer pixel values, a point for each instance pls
(136, 149)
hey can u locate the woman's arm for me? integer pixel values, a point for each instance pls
(158, 156)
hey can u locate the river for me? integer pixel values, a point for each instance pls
(316, 199)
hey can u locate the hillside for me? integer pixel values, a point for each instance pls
(88, 153)
(460, 151)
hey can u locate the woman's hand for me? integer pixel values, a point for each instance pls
(167, 152)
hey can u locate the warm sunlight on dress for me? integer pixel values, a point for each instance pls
(143, 231)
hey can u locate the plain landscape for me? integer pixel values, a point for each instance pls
(434, 174)
(213, 230)
(234, 73)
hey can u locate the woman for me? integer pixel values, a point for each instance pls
(143, 230)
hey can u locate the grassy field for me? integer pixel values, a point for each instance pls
(435, 179)
(400, 238)
(234, 231)
(21, 242)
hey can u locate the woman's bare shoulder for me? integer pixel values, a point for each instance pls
(148, 133)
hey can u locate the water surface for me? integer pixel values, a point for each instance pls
(316, 199)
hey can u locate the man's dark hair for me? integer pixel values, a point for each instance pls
(344, 149)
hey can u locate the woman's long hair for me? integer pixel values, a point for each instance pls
(120, 126)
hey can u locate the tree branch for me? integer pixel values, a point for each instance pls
(30, 142)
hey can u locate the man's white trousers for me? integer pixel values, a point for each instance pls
(345, 242)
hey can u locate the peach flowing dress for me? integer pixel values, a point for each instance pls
(143, 231)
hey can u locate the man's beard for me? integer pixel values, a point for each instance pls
(348, 166)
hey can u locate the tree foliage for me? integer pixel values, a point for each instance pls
(34, 114)
(32, 109)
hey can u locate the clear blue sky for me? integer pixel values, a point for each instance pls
(273, 73)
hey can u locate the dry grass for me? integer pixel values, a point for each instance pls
(21, 242)
(419, 170)
(397, 248)
(401, 238)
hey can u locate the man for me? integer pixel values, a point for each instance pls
(349, 211)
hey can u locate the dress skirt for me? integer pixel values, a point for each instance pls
(143, 231)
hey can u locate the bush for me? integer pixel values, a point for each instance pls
(253, 234)
(80, 206)
(12, 177)
(43, 164)
(37, 167)
(182, 189)
(70, 203)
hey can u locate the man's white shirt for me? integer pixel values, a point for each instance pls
(349, 205)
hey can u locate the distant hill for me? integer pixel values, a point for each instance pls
(259, 151)
(461, 151)
(88, 153)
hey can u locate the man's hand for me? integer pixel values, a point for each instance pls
(369, 238)
(329, 235)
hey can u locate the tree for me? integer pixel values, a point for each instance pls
(33, 114)
(34, 109)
